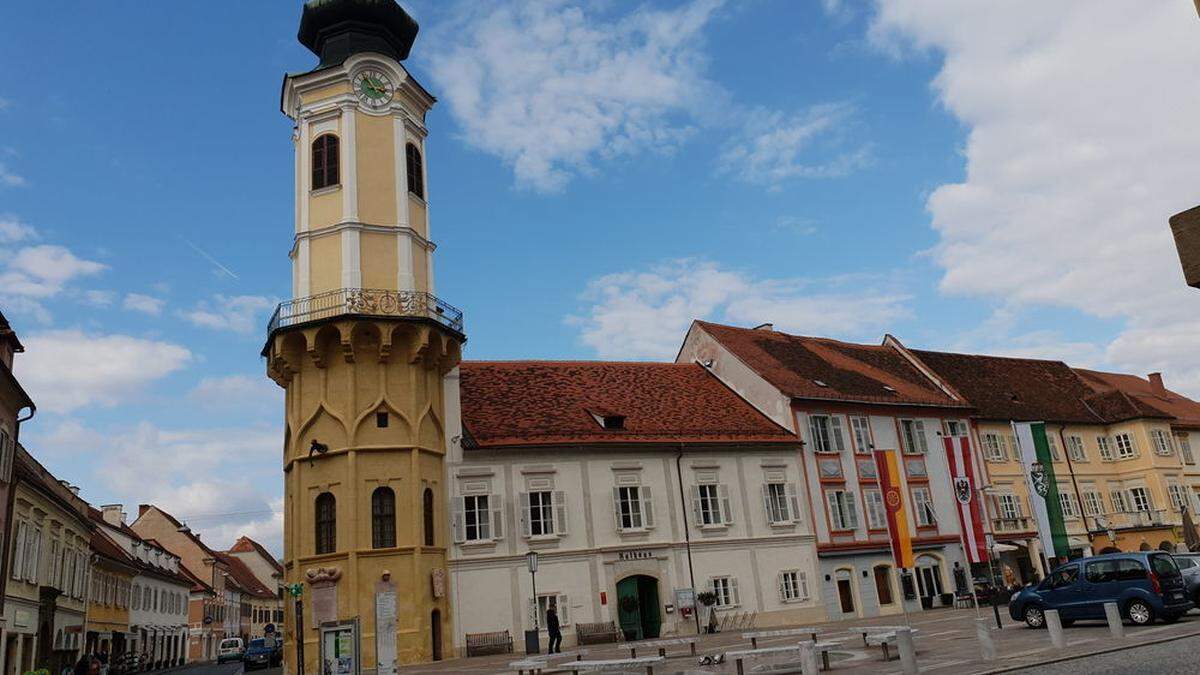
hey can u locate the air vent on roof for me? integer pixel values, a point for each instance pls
(888, 387)
(820, 383)
(1014, 397)
(765, 326)
(609, 420)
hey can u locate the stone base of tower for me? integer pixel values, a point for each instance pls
(365, 526)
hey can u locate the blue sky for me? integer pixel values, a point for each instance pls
(600, 174)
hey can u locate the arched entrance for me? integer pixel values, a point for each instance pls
(435, 628)
(638, 607)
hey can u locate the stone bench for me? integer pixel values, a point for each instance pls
(784, 632)
(538, 662)
(497, 642)
(885, 641)
(872, 630)
(660, 645)
(611, 665)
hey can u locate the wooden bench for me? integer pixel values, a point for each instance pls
(660, 645)
(497, 642)
(612, 665)
(784, 632)
(596, 633)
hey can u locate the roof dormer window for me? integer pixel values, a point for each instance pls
(889, 388)
(606, 420)
(819, 383)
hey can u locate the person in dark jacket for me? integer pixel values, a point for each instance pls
(554, 630)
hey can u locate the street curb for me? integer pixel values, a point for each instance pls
(1110, 650)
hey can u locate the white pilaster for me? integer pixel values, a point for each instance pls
(304, 175)
(303, 265)
(428, 228)
(351, 258)
(349, 165)
(404, 243)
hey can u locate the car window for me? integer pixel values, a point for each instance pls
(1129, 569)
(1185, 563)
(1163, 565)
(257, 643)
(1064, 576)
(1101, 571)
(229, 643)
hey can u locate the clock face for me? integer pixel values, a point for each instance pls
(374, 88)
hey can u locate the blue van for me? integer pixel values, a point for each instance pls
(1145, 585)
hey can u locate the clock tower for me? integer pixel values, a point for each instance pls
(360, 350)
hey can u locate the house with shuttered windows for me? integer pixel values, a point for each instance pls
(633, 482)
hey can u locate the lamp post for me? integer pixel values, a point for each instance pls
(532, 637)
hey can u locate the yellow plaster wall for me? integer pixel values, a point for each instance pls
(336, 89)
(378, 260)
(325, 262)
(375, 141)
(416, 216)
(324, 208)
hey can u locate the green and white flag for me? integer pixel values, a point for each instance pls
(1043, 490)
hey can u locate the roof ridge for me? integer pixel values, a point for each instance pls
(569, 362)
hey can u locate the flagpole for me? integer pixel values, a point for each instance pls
(891, 538)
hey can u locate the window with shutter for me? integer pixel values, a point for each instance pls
(18, 554)
(559, 526)
(1105, 447)
(647, 507)
(861, 428)
(777, 504)
(726, 508)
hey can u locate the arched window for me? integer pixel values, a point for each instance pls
(325, 161)
(416, 171)
(326, 523)
(427, 512)
(383, 518)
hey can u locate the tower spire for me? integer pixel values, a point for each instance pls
(334, 30)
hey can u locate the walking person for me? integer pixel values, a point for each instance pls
(554, 629)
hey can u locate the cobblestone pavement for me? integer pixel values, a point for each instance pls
(1176, 657)
(946, 642)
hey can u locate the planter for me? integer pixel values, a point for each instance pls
(947, 599)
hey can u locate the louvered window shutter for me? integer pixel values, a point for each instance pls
(497, 504)
(835, 511)
(814, 434)
(560, 512)
(523, 497)
(616, 500)
(793, 503)
(697, 505)
(647, 507)
(835, 430)
(18, 563)
(564, 611)
(766, 496)
(726, 511)
(779, 582)
(457, 525)
(919, 432)
(733, 592)
(851, 511)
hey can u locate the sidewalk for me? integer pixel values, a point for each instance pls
(946, 641)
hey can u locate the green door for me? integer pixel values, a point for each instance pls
(638, 608)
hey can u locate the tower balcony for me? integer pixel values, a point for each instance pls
(374, 302)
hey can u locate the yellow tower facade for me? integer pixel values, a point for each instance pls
(361, 350)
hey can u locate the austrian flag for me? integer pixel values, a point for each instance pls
(970, 515)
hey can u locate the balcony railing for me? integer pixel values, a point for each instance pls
(366, 302)
(1150, 518)
(1019, 524)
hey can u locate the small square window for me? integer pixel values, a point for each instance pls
(381, 420)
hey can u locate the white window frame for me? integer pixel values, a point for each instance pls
(841, 506)
(1052, 444)
(1145, 503)
(1162, 443)
(912, 437)
(874, 508)
(561, 604)
(780, 503)
(711, 506)
(1075, 448)
(1185, 448)
(1104, 445)
(826, 434)
(860, 431)
(993, 447)
(956, 428)
(725, 587)
(923, 508)
(793, 586)
(1093, 503)
(1177, 496)
(551, 512)
(1126, 446)
(1009, 506)
(1120, 501)
(1069, 505)
(633, 508)
(488, 528)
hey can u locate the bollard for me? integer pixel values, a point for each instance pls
(908, 651)
(987, 642)
(1057, 637)
(808, 659)
(1115, 625)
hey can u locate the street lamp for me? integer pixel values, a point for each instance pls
(532, 638)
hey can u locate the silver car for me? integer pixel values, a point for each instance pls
(1189, 565)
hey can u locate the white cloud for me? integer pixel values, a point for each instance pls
(240, 314)
(146, 304)
(42, 271)
(238, 392)
(65, 370)
(11, 179)
(1082, 142)
(775, 147)
(12, 230)
(643, 314)
(550, 87)
(98, 298)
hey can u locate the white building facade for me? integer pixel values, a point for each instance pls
(625, 523)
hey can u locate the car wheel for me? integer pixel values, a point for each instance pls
(1171, 617)
(1139, 612)
(1035, 617)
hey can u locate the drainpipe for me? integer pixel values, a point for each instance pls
(1062, 441)
(687, 537)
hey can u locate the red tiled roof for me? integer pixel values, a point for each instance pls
(830, 370)
(1003, 388)
(106, 547)
(245, 544)
(522, 403)
(243, 577)
(1129, 396)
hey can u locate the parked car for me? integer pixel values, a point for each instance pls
(259, 655)
(1189, 565)
(1145, 585)
(230, 649)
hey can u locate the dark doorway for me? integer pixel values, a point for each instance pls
(637, 607)
(435, 629)
(846, 595)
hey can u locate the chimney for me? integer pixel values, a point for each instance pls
(114, 514)
(1156, 383)
(142, 509)
(765, 326)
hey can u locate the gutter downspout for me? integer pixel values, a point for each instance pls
(1062, 439)
(687, 537)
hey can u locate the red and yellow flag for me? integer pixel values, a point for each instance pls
(888, 467)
